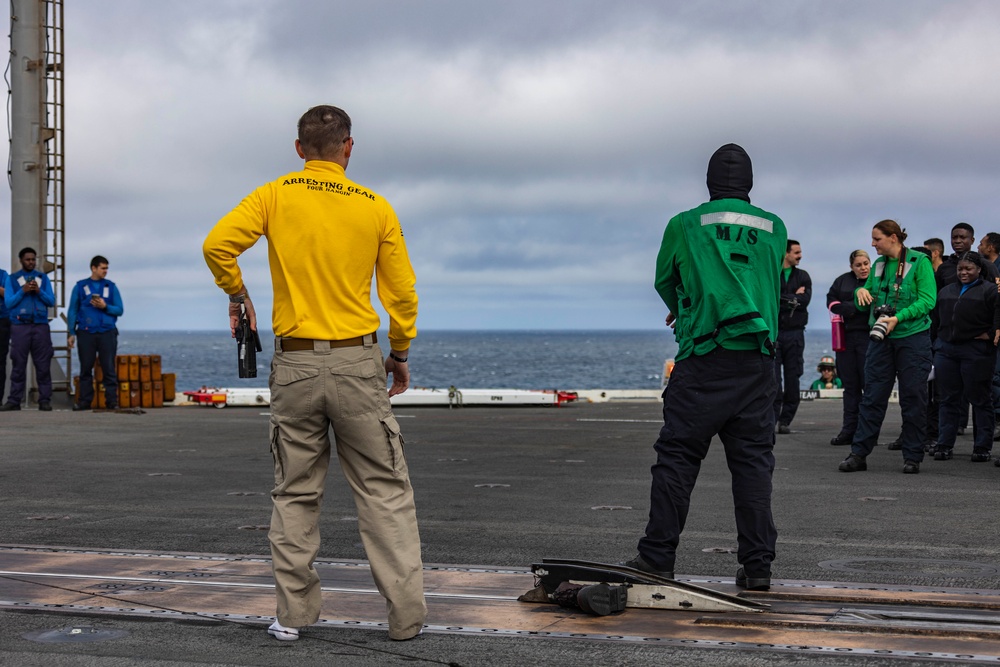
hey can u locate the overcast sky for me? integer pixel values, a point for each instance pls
(533, 151)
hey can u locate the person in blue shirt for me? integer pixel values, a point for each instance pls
(4, 335)
(94, 308)
(28, 296)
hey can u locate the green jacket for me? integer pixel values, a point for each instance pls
(718, 272)
(916, 296)
(819, 384)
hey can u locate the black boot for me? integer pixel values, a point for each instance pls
(602, 599)
(853, 463)
(842, 438)
(758, 583)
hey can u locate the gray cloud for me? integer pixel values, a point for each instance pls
(533, 151)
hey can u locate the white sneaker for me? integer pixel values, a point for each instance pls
(281, 633)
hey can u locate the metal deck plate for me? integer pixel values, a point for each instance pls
(903, 622)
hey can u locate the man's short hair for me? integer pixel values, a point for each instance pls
(323, 129)
(935, 244)
(25, 251)
(992, 239)
(98, 260)
(966, 226)
(788, 246)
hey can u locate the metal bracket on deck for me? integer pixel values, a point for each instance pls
(645, 591)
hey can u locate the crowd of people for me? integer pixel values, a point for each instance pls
(929, 322)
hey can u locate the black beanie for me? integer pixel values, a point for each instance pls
(730, 174)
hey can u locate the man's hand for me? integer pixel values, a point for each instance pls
(235, 312)
(98, 302)
(801, 290)
(671, 318)
(71, 341)
(400, 374)
(31, 287)
(863, 296)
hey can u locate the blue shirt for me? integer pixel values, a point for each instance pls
(28, 308)
(966, 286)
(4, 312)
(82, 316)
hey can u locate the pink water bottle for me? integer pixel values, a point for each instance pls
(837, 330)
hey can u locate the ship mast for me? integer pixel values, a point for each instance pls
(35, 167)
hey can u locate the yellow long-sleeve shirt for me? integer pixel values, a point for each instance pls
(326, 236)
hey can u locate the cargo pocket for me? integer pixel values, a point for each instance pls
(279, 466)
(358, 388)
(394, 444)
(292, 392)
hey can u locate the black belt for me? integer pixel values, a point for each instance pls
(298, 344)
(725, 323)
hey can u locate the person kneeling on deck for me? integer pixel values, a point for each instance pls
(326, 236)
(718, 273)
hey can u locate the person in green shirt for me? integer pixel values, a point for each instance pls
(827, 375)
(899, 295)
(717, 273)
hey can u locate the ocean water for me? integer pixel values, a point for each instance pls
(566, 360)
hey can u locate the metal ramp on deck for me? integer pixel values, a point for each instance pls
(645, 591)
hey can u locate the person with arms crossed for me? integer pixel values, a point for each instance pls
(793, 315)
(326, 237)
(94, 309)
(28, 296)
(718, 273)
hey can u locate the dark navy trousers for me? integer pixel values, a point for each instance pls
(4, 351)
(730, 394)
(851, 371)
(36, 340)
(996, 385)
(965, 370)
(93, 346)
(908, 359)
(788, 363)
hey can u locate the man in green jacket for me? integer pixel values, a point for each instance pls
(718, 273)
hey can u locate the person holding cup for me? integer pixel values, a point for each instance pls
(851, 360)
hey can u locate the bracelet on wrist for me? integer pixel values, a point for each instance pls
(238, 298)
(399, 360)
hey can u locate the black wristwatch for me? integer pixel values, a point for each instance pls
(400, 360)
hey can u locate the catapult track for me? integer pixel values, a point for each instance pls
(947, 624)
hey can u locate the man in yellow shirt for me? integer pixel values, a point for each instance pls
(326, 237)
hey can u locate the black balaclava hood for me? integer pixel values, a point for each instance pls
(730, 174)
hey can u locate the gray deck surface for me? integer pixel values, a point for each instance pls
(91, 480)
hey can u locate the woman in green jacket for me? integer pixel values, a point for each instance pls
(900, 293)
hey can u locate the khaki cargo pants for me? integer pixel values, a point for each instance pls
(343, 389)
